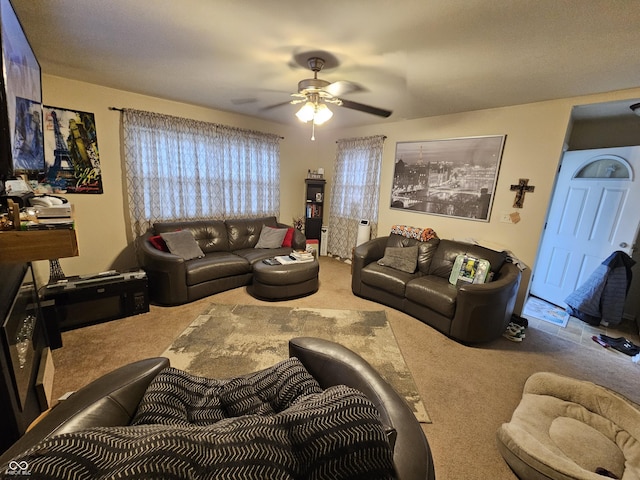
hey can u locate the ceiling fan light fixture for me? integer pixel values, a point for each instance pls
(322, 114)
(307, 112)
(318, 113)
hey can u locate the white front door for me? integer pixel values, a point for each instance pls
(595, 211)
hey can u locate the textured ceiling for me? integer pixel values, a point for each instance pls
(418, 58)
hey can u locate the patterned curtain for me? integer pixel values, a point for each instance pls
(355, 192)
(182, 169)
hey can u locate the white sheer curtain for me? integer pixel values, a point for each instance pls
(355, 192)
(182, 169)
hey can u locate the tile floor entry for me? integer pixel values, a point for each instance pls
(580, 332)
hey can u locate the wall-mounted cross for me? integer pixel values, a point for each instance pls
(521, 188)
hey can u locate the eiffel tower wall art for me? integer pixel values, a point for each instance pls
(72, 159)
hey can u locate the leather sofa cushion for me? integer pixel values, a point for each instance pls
(447, 251)
(395, 240)
(215, 265)
(433, 292)
(245, 232)
(426, 250)
(386, 278)
(253, 255)
(211, 235)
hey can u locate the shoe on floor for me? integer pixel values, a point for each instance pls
(514, 332)
(518, 320)
(512, 337)
(621, 344)
(515, 328)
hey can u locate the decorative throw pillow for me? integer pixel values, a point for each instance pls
(422, 234)
(404, 259)
(271, 237)
(158, 243)
(183, 244)
(288, 238)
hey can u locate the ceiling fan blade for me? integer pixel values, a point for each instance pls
(281, 104)
(342, 87)
(365, 108)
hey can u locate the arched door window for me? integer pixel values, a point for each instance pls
(603, 167)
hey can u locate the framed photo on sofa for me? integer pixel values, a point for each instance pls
(455, 177)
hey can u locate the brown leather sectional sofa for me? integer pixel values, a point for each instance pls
(471, 313)
(112, 400)
(229, 255)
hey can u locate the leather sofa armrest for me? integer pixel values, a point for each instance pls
(370, 251)
(333, 364)
(150, 257)
(483, 311)
(165, 271)
(299, 241)
(363, 255)
(111, 400)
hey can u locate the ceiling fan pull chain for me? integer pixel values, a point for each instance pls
(313, 130)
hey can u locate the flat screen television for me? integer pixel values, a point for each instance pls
(21, 119)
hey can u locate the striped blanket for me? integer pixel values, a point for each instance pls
(275, 424)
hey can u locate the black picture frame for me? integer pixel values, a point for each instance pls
(72, 156)
(21, 118)
(455, 177)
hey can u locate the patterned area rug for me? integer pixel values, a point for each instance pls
(230, 340)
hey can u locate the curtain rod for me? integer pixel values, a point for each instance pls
(122, 110)
(384, 137)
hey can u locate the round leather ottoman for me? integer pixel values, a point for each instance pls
(280, 282)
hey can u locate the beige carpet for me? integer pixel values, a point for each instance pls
(231, 340)
(469, 391)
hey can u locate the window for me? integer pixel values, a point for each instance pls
(181, 169)
(355, 193)
(605, 166)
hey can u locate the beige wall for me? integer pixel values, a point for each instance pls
(535, 138)
(533, 148)
(100, 219)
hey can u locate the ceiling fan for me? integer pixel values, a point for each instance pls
(316, 93)
(328, 92)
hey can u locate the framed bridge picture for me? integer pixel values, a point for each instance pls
(454, 177)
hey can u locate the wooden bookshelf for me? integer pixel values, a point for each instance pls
(27, 246)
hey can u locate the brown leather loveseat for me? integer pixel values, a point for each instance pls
(112, 400)
(229, 254)
(471, 313)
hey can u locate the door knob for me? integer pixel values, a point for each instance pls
(624, 245)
